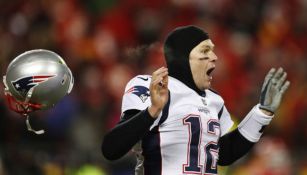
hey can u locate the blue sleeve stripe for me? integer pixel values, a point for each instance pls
(220, 112)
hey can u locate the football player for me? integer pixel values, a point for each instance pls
(176, 124)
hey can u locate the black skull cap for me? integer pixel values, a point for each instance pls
(177, 47)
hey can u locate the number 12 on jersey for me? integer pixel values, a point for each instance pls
(211, 149)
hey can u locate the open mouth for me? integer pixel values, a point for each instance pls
(209, 71)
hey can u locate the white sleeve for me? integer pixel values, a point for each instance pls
(136, 95)
(225, 121)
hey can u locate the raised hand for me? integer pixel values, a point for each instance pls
(158, 91)
(273, 89)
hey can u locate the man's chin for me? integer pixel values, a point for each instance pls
(207, 86)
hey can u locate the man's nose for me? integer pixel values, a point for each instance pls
(214, 57)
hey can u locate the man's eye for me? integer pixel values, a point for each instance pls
(206, 51)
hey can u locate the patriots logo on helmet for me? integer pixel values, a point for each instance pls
(24, 84)
(141, 91)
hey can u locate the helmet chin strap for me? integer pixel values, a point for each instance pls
(38, 132)
(26, 109)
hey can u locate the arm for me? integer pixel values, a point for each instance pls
(126, 133)
(238, 142)
(232, 147)
(135, 123)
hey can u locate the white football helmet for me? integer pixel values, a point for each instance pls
(35, 80)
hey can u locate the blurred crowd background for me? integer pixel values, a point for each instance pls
(107, 42)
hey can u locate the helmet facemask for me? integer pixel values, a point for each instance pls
(23, 108)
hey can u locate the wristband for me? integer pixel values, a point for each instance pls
(251, 127)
